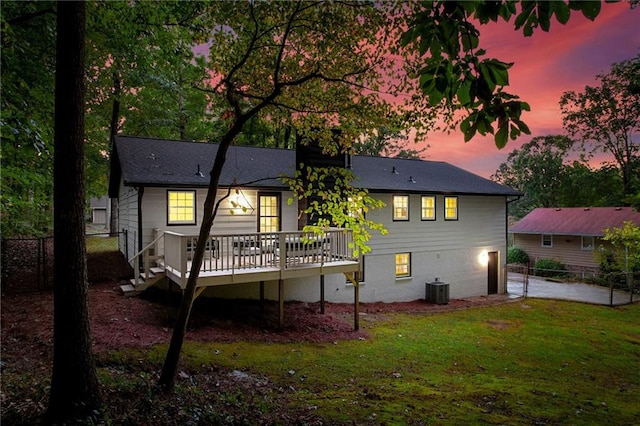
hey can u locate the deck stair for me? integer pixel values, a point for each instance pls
(149, 274)
(134, 288)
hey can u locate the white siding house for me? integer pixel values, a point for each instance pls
(445, 224)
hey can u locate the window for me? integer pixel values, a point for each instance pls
(268, 212)
(428, 207)
(403, 265)
(450, 208)
(587, 243)
(400, 207)
(181, 207)
(547, 240)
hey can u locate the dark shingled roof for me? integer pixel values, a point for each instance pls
(158, 162)
(574, 220)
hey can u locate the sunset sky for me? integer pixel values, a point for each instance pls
(545, 66)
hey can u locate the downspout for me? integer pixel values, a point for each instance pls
(140, 194)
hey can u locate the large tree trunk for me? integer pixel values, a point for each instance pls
(74, 390)
(115, 118)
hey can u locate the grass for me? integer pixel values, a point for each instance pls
(101, 243)
(532, 362)
(539, 362)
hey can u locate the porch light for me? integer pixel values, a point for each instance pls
(483, 258)
(239, 204)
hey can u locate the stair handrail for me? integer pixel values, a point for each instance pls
(136, 261)
(147, 247)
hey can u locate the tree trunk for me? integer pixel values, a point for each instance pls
(170, 368)
(74, 390)
(115, 117)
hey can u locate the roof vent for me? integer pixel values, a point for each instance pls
(394, 171)
(411, 179)
(558, 209)
(586, 209)
(618, 208)
(199, 173)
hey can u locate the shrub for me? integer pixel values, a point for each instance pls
(517, 255)
(549, 268)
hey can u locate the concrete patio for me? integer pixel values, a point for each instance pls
(541, 288)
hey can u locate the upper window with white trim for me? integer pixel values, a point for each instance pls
(450, 208)
(547, 240)
(181, 207)
(428, 207)
(400, 207)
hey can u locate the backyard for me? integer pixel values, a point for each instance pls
(476, 361)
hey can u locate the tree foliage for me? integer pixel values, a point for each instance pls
(386, 142)
(454, 73)
(26, 128)
(606, 118)
(536, 169)
(543, 170)
(304, 64)
(335, 202)
(625, 252)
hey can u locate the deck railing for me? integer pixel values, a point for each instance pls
(276, 250)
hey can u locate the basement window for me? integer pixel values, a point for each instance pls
(403, 265)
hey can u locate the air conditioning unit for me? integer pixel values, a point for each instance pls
(437, 292)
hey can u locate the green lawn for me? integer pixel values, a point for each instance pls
(101, 243)
(523, 363)
(530, 362)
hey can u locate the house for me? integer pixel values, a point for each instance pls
(569, 234)
(445, 224)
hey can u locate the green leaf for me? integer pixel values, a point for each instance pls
(590, 9)
(562, 11)
(501, 135)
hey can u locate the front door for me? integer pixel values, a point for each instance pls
(492, 268)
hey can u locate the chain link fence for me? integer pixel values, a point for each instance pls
(611, 289)
(27, 263)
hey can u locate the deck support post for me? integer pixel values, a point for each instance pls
(322, 294)
(281, 303)
(356, 306)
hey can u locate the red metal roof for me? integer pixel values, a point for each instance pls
(574, 220)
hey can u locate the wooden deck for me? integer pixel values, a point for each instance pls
(243, 258)
(248, 258)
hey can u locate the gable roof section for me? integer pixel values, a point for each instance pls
(158, 162)
(574, 220)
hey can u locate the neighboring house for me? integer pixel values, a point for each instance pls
(99, 208)
(445, 224)
(569, 234)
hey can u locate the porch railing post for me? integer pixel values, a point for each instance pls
(282, 247)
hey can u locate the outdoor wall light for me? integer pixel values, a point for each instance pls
(239, 204)
(483, 258)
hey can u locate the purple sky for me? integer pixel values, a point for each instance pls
(545, 66)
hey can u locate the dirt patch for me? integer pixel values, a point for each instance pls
(499, 324)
